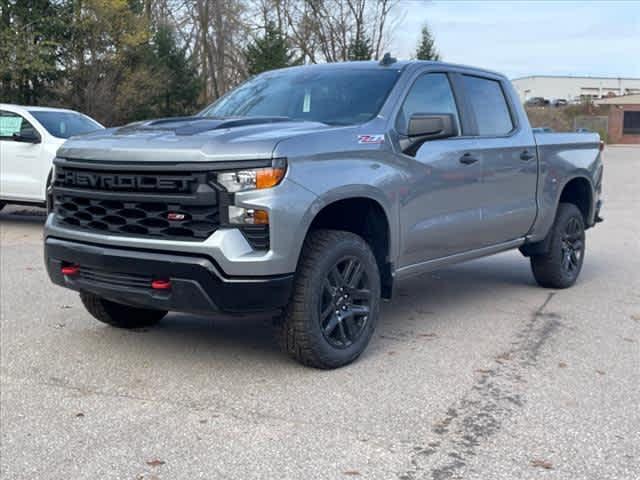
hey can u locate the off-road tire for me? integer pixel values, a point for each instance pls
(550, 269)
(118, 315)
(300, 330)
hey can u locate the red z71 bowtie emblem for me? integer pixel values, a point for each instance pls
(175, 216)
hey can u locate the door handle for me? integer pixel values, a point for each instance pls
(526, 156)
(468, 159)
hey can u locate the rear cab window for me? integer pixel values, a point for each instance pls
(488, 105)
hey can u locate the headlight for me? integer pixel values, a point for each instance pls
(254, 178)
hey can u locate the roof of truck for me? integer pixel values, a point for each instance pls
(396, 65)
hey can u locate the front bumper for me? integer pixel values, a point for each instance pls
(290, 214)
(124, 275)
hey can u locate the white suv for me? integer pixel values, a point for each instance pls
(29, 139)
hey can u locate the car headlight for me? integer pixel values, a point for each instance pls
(253, 178)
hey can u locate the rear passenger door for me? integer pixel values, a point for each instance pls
(508, 156)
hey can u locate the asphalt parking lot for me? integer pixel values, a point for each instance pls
(474, 373)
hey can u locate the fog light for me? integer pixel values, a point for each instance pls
(248, 216)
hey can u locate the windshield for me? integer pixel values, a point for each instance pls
(65, 124)
(334, 97)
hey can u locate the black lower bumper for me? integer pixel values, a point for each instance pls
(126, 275)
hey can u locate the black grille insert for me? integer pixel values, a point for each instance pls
(257, 236)
(158, 208)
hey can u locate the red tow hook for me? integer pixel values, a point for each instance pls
(70, 270)
(161, 284)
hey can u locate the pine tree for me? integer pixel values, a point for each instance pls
(360, 49)
(269, 52)
(181, 86)
(426, 48)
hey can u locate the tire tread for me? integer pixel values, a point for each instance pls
(546, 267)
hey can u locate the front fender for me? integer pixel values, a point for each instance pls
(352, 178)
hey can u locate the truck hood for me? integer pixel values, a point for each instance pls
(188, 139)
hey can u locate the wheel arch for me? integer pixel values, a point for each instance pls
(365, 212)
(579, 191)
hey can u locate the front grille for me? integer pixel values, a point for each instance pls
(167, 205)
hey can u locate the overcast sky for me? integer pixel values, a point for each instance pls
(520, 38)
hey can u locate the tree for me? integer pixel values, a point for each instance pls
(339, 30)
(180, 86)
(426, 48)
(360, 49)
(269, 52)
(31, 42)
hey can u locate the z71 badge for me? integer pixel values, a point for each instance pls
(371, 139)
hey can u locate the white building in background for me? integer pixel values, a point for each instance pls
(553, 87)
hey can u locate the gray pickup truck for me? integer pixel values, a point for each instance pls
(311, 192)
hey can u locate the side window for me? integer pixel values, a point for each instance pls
(11, 123)
(489, 105)
(431, 93)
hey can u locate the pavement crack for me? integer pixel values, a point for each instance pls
(481, 412)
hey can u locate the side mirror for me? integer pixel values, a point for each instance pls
(27, 136)
(427, 126)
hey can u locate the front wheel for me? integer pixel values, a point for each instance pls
(336, 299)
(119, 315)
(561, 265)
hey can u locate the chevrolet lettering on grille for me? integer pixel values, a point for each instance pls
(113, 181)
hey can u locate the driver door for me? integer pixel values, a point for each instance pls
(440, 207)
(19, 161)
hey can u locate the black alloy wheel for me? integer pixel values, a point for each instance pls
(572, 247)
(345, 303)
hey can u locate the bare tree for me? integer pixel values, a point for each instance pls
(215, 32)
(324, 30)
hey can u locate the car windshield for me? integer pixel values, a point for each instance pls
(65, 124)
(332, 96)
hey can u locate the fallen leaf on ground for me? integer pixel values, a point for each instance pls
(427, 335)
(542, 464)
(627, 339)
(503, 357)
(601, 372)
(391, 353)
(352, 472)
(155, 462)
(65, 307)
(636, 317)
(562, 365)
(79, 415)
(482, 370)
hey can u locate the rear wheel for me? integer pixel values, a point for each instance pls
(334, 309)
(561, 265)
(119, 315)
